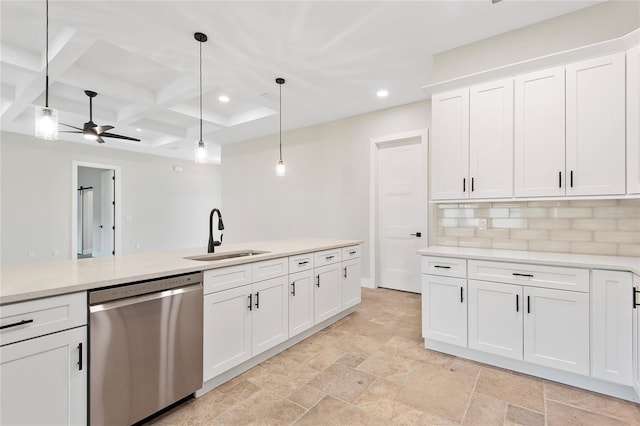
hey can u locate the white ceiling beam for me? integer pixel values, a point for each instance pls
(194, 111)
(7, 91)
(19, 57)
(89, 80)
(158, 126)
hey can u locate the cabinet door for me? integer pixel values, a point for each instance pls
(540, 134)
(595, 161)
(636, 334)
(41, 382)
(227, 330)
(350, 283)
(611, 326)
(495, 318)
(633, 120)
(328, 293)
(444, 316)
(491, 140)
(449, 159)
(556, 329)
(301, 292)
(270, 322)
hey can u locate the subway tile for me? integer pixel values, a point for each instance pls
(469, 223)
(629, 202)
(628, 224)
(549, 223)
(492, 213)
(457, 213)
(548, 203)
(474, 242)
(508, 204)
(529, 234)
(528, 212)
(447, 241)
(593, 224)
(509, 223)
(472, 206)
(619, 212)
(553, 246)
(448, 206)
(629, 250)
(592, 203)
(570, 235)
(440, 230)
(500, 233)
(570, 212)
(594, 248)
(448, 222)
(508, 244)
(617, 237)
(459, 232)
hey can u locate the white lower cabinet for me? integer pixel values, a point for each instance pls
(495, 318)
(270, 320)
(636, 334)
(328, 293)
(556, 329)
(301, 291)
(444, 309)
(43, 381)
(351, 293)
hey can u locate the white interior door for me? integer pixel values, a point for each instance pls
(401, 214)
(107, 213)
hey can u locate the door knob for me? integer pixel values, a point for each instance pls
(417, 234)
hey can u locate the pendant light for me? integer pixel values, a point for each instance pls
(46, 118)
(201, 146)
(280, 169)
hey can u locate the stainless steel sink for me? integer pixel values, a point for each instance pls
(226, 255)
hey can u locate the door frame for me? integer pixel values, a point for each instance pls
(375, 145)
(74, 203)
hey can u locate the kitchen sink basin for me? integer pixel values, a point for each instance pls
(226, 255)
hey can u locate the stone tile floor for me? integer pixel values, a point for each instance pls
(371, 368)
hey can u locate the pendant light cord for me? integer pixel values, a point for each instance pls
(46, 79)
(200, 91)
(280, 121)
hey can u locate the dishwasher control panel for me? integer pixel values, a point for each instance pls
(140, 288)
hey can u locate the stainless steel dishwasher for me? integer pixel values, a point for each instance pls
(145, 347)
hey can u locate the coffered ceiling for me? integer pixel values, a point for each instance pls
(142, 59)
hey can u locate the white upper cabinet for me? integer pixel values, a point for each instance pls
(540, 134)
(450, 145)
(633, 120)
(491, 140)
(595, 120)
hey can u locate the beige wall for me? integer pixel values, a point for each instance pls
(597, 23)
(326, 190)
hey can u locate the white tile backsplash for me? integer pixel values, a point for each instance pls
(610, 227)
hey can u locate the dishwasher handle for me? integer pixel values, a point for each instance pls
(144, 298)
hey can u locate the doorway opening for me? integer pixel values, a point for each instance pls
(398, 209)
(95, 210)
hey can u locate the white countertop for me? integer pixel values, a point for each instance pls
(32, 281)
(617, 263)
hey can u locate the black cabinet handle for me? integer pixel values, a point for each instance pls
(442, 267)
(303, 263)
(417, 234)
(80, 356)
(461, 294)
(16, 324)
(250, 302)
(464, 184)
(515, 274)
(517, 303)
(318, 280)
(635, 292)
(559, 179)
(329, 257)
(345, 272)
(293, 288)
(257, 300)
(473, 184)
(571, 178)
(528, 304)
(353, 252)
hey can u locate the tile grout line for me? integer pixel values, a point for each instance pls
(473, 391)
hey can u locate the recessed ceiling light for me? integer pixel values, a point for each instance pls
(138, 130)
(223, 98)
(382, 93)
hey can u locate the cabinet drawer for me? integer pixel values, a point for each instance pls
(301, 262)
(270, 269)
(555, 277)
(226, 278)
(350, 252)
(327, 257)
(34, 318)
(444, 266)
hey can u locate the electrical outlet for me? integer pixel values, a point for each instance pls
(137, 245)
(55, 252)
(31, 254)
(482, 224)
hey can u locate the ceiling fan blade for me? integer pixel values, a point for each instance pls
(73, 127)
(70, 131)
(99, 139)
(101, 129)
(113, 135)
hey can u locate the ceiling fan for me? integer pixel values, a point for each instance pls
(91, 130)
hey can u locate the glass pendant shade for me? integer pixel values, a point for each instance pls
(201, 151)
(280, 169)
(46, 123)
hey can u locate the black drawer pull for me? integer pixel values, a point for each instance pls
(250, 302)
(257, 300)
(318, 281)
(461, 294)
(635, 292)
(329, 257)
(517, 303)
(528, 304)
(353, 252)
(16, 324)
(442, 267)
(515, 274)
(80, 356)
(293, 288)
(303, 263)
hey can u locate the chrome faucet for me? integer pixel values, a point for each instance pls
(212, 243)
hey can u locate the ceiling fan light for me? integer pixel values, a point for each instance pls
(46, 123)
(92, 136)
(201, 151)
